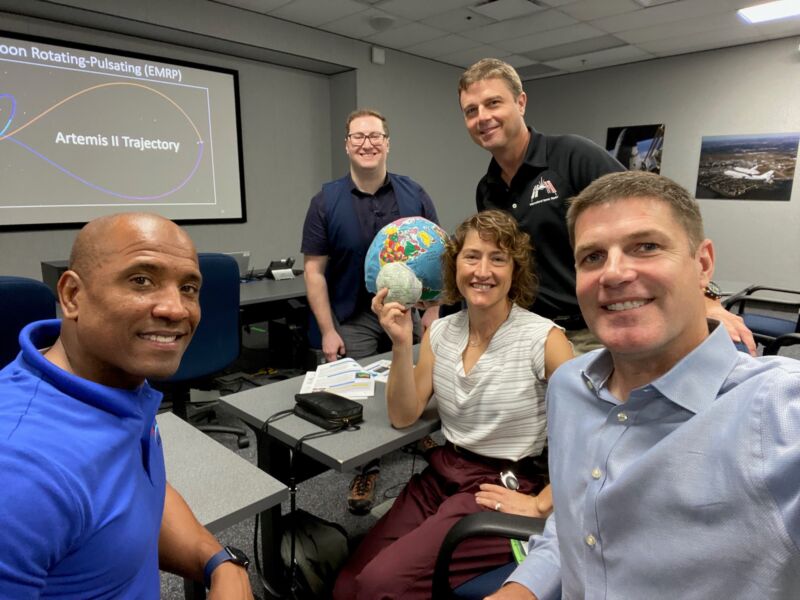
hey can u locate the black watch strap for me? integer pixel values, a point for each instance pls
(227, 554)
(713, 291)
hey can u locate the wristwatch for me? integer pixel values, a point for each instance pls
(713, 291)
(228, 553)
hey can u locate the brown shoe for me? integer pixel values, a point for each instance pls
(362, 493)
(426, 444)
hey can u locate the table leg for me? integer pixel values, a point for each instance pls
(192, 590)
(273, 458)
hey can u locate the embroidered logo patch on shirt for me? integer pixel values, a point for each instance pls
(545, 189)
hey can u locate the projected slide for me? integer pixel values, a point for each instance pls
(84, 132)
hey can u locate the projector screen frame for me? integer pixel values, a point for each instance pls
(233, 73)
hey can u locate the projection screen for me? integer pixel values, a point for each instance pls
(86, 131)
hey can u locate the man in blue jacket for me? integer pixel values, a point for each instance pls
(340, 224)
(86, 510)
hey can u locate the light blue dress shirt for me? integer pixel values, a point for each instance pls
(690, 489)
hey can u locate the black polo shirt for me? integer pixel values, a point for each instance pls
(556, 168)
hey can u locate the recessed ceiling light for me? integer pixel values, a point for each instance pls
(781, 9)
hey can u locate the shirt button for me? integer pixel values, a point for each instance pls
(590, 540)
(622, 417)
(596, 473)
(589, 384)
(514, 205)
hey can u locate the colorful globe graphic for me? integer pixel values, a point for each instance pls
(415, 241)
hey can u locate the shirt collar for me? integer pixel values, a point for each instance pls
(139, 403)
(693, 383)
(358, 192)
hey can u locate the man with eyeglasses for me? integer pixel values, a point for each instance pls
(340, 224)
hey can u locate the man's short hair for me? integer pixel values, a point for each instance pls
(491, 68)
(501, 228)
(366, 112)
(640, 184)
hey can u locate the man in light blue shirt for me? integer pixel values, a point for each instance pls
(674, 458)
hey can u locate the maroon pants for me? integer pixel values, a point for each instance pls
(397, 557)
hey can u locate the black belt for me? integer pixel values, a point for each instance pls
(529, 464)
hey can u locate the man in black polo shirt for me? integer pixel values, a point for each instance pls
(533, 176)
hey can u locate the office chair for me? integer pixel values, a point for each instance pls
(482, 524)
(215, 344)
(788, 339)
(22, 301)
(762, 315)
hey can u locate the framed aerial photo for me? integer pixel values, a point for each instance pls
(638, 147)
(747, 167)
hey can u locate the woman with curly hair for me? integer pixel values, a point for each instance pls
(487, 367)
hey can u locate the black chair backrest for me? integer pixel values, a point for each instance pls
(22, 301)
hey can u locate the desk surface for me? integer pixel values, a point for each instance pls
(342, 451)
(220, 487)
(260, 291)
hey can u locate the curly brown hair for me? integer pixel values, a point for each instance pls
(501, 228)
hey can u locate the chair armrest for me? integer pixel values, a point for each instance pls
(789, 339)
(744, 297)
(482, 524)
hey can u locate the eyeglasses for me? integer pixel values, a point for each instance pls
(375, 137)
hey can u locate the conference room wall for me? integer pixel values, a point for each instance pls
(740, 90)
(292, 120)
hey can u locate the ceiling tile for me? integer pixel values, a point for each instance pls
(563, 35)
(555, 2)
(518, 61)
(588, 10)
(780, 28)
(416, 10)
(603, 58)
(466, 58)
(456, 21)
(406, 35)
(659, 15)
(543, 21)
(681, 28)
(443, 45)
(699, 41)
(502, 10)
(536, 71)
(575, 48)
(314, 13)
(359, 25)
(262, 6)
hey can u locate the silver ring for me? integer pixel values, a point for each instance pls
(498, 506)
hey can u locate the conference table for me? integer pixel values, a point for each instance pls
(263, 291)
(219, 486)
(342, 451)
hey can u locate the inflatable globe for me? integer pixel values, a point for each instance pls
(419, 245)
(404, 287)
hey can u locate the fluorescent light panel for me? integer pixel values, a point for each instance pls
(781, 9)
